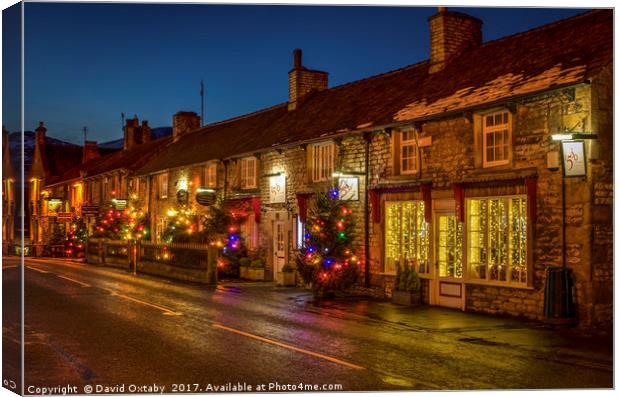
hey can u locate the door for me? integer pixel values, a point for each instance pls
(279, 246)
(450, 289)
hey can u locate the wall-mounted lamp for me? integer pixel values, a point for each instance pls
(203, 190)
(345, 174)
(272, 174)
(572, 136)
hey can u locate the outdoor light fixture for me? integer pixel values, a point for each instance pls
(183, 184)
(339, 174)
(272, 174)
(203, 190)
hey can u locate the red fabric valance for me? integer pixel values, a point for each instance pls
(302, 205)
(374, 196)
(530, 185)
(459, 201)
(428, 202)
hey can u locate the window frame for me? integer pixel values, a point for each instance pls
(249, 232)
(323, 161)
(207, 175)
(412, 143)
(484, 131)
(429, 242)
(247, 181)
(162, 193)
(528, 244)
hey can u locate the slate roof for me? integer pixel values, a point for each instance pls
(130, 159)
(561, 53)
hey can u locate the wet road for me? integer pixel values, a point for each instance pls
(87, 325)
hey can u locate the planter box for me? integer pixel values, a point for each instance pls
(286, 279)
(252, 273)
(406, 298)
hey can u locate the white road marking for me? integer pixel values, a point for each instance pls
(287, 346)
(9, 267)
(167, 311)
(37, 269)
(75, 281)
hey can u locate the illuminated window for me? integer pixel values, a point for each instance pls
(322, 161)
(162, 185)
(496, 138)
(497, 239)
(249, 231)
(406, 236)
(76, 195)
(248, 173)
(211, 175)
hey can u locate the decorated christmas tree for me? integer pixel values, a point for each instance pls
(182, 226)
(76, 237)
(328, 261)
(122, 224)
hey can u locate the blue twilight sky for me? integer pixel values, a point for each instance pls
(87, 63)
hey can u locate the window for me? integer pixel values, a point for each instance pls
(76, 195)
(248, 173)
(104, 189)
(249, 231)
(495, 139)
(160, 228)
(322, 161)
(162, 185)
(211, 175)
(497, 239)
(299, 236)
(406, 236)
(408, 152)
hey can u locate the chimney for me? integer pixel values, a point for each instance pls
(302, 81)
(40, 135)
(132, 130)
(451, 33)
(184, 122)
(146, 132)
(90, 151)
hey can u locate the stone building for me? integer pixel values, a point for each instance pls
(9, 207)
(449, 164)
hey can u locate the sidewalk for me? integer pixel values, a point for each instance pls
(556, 344)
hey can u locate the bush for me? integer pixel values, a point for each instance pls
(257, 264)
(407, 279)
(245, 262)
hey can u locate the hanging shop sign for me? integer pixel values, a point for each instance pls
(182, 197)
(205, 197)
(277, 189)
(348, 188)
(63, 217)
(90, 210)
(573, 157)
(119, 204)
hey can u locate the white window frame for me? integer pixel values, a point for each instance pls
(162, 185)
(495, 130)
(210, 174)
(411, 143)
(467, 234)
(323, 159)
(248, 177)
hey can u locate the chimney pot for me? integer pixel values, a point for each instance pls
(297, 58)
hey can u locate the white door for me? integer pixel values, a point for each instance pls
(450, 290)
(279, 246)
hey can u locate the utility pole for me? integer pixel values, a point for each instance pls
(202, 103)
(85, 131)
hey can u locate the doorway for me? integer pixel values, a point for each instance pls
(449, 286)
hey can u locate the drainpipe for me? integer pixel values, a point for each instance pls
(367, 138)
(225, 178)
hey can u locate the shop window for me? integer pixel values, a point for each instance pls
(248, 173)
(162, 185)
(496, 138)
(406, 153)
(497, 239)
(450, 246)
(406, 236)
(322, 164)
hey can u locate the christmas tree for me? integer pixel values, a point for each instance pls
(76, 238)
(328, 261)
(182, 226)
(117, 224)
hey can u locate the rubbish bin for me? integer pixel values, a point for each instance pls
(559, 302)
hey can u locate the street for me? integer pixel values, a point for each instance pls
(87, 325)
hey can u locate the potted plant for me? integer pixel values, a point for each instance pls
(406, 286)
(244, 266)
(286, 277)
(256, 271)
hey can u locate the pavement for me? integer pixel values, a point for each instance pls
(89, 326)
